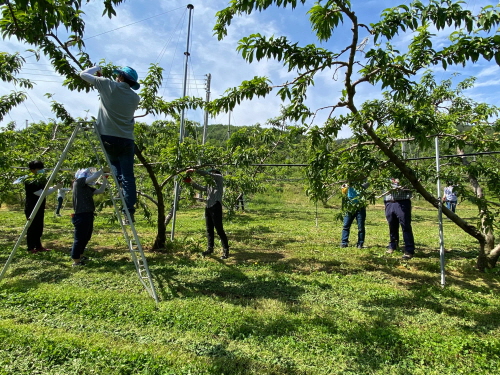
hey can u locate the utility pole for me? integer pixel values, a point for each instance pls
(205, 123)
(181, 131)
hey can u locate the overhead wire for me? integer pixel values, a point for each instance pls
(181, 20)
(194, 83)
(130, 24)
(36, 106)
(24, 102)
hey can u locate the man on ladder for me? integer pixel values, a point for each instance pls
(115, 124)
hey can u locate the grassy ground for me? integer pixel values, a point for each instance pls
(289, 300)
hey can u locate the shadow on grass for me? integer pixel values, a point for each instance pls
(422, 280)
(228, 283)
(232, 283)
(26, 271)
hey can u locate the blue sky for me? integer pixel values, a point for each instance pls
(152, 31)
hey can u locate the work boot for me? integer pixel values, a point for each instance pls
(225, 253)
(209, 251)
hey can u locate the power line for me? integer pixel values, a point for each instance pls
(133, 23)
(36, 106)
(456, 156)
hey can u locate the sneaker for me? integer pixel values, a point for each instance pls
(58, 215)
(85, 259)
(343, 245)
(359, 246)
(33, 251)
(225, 254)
(407, 256)
(40, 249)
(78, 264)
(389, 250)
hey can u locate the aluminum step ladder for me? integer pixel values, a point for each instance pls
(123, 215)
(125, 219)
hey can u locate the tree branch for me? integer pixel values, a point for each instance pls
(65, 48)
(139, 192)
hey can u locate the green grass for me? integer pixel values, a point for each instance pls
(289, 300)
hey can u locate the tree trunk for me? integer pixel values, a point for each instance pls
(486, 229)
(493, 257)
(482, 260)
(161, 236)
(410, 175)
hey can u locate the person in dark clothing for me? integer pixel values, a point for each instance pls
(213, 209)
(240, 201)
(398, 212)
(83, 204)
(33, 186)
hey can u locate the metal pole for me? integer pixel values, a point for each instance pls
(440, 214)
(181, 130)
(205, 123)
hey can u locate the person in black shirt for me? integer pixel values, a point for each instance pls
(83, 204)
(33, 186)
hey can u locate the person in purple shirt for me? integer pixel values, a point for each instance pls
(450, 197)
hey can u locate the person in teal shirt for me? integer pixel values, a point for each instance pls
(357, 212)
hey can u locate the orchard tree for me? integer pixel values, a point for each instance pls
(374, 125)
(35, 22)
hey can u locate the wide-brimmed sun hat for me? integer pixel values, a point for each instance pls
(130, 74)
(84, 172)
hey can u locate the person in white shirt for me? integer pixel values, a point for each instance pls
(450, 197)
(61, 194)
(213, 209)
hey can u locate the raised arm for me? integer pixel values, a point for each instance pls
(49, 191)
(88, 74)
(102, 188)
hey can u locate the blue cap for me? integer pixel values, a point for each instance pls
(130, 74)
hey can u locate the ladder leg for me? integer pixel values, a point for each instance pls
(127, 225)
(41, 199)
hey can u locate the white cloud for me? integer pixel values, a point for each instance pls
(488, 71)
(490, 82)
